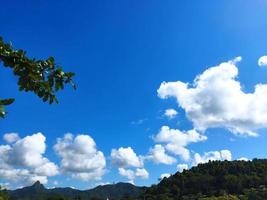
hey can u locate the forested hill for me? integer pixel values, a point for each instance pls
(216, 180)
(241, 179)
(112, 191)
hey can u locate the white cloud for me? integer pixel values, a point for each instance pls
(262, 61)
(182, 167)
(165, 175)
(23, 161)
(226, 155)
(170, 113)
(212, 156)
(216, 99)
(127, 173)
(142, 173)
(28, 151)
(176, 140)
(47, 169)
(131, 174)
(126, 157)
(11, 137)
(80, 157)
(158, 155)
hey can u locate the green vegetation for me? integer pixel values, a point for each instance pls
(42, 77)
(113, 191)
(216, 180)
(3, 194)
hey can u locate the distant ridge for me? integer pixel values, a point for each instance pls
(112, 191)
(215, 180)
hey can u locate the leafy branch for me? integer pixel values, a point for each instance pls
(42, 77)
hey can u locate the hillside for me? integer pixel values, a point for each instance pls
(241, 179)
(216, 180)
(113, 191)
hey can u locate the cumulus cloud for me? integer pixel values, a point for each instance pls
(142, 173)
(165, 175)
(216, 99)
(80, 157)
(170, 113)
(28, 151)
(182, 167)
(47, 169)
(11, 137)
(262, 61)
(131, 174)
(158, 155)
(126, 157)
(212, 156)
(23, 161)
(176, 140)
(127, 173)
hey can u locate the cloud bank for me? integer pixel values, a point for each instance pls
(216, 99)
(23, 161)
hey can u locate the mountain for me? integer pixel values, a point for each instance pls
(117, 191)
(112, 191)
(215, 180)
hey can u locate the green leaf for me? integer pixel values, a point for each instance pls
(6, 102)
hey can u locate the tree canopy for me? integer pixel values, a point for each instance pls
(42, 77)
(214, 180)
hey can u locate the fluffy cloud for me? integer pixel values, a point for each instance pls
(28, 151)
(182, 167)
(126, 157)
(131, 175)
(216, 99)
(176, 140)
(11, 137)
(47, 169)
(80, 157)
(170, 113)
(262, 61)
(211, 156)
(157, 154)
(166, 175)
(142, 173)
(23, 160)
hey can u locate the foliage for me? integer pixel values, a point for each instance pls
(42, 77)
(214, 180)
(225, 197)
(3, 194)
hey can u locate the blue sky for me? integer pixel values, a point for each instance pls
(121, 52)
